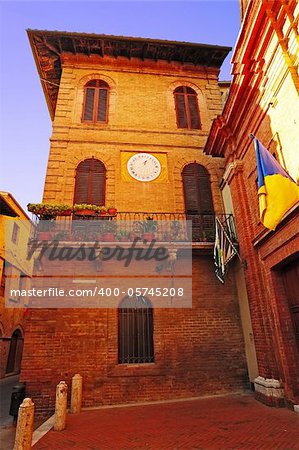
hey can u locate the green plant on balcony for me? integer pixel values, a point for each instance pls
(109, 226)
(109, 230)
(147, 227)
(103, 211)
(176, 229)
(48, 211)
(85, 209)
(122, 235)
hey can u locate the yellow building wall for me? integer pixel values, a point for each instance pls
(12, 318)
(280, 91)
(141, 119)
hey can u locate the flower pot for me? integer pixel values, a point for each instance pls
(68, 212)
(85, 212)
(112, 211)
(108, 237)
(44, 236)
(124, 239)
(104, 213)
(148, 236)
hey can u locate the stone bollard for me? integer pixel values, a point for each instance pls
(60, 406)
(76, 398)
(24, 430)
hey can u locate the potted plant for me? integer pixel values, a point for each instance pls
(109, 231)
(166, 237)
(112, 210)
(176, 228)
(45, 230)
(45, 211)
(123, 235)
(103, 211)
(85, 209)
(64, 210)
(148, 228)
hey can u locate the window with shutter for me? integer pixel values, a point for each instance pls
(186, 106)
(95, 107)
(198, 200)
(90, 182)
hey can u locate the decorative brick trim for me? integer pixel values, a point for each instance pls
(232, 169)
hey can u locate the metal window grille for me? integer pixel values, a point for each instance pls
(135, 331)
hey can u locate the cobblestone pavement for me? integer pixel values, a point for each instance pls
(226, 422)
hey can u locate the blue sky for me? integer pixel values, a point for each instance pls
(25, 122)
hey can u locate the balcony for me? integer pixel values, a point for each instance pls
(127, 226)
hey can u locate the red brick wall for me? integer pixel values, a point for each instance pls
(198, 351)
(276, 348)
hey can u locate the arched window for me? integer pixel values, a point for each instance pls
(186, 106)
(198, 201)
(135, 331)
(15, 352)
(95, 106)
(90, 182)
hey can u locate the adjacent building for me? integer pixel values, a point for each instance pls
(15, 228)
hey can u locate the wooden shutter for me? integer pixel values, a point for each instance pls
(102, 105)
(186, 106)
(90, 182)
(197, 189)
(95, 101)
(198, 201)
(193, 110)
(89, 104)
(97, 181)
(181, 111)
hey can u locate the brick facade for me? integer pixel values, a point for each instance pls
(197, 351)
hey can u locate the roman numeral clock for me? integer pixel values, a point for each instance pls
(144, 167)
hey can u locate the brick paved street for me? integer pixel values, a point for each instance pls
(228, 422)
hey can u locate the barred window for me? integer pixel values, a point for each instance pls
(186, 106)
(135, 331)
(95, 107)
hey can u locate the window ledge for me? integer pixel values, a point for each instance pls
(132, 370)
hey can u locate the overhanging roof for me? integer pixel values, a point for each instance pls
(48, 46)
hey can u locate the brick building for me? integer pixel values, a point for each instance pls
(263, 100)
(111, 98)
(15, 230)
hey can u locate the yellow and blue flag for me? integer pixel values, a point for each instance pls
(277, 191)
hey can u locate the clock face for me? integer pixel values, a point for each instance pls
(144, 167)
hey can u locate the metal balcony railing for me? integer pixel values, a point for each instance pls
(125, 226)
